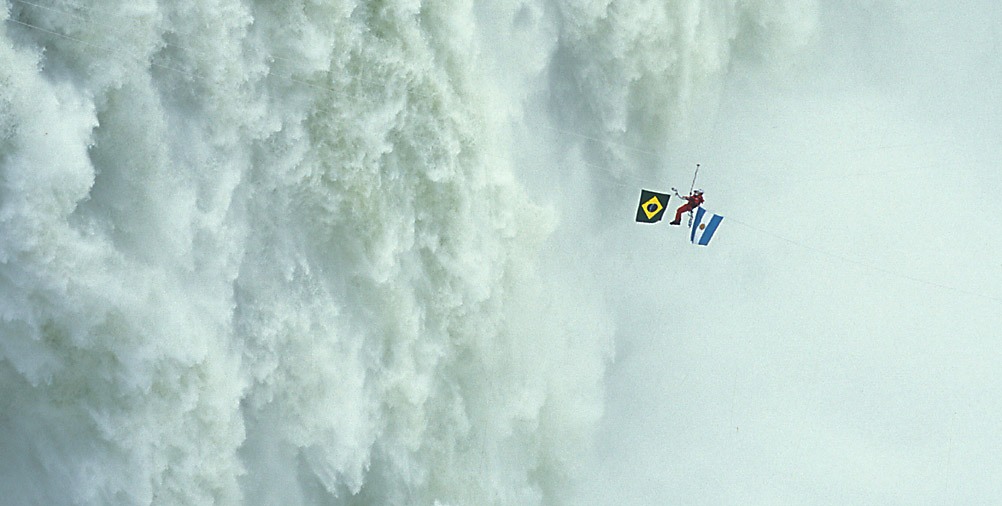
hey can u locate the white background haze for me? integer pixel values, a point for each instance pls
(837, 343)
(383, 253)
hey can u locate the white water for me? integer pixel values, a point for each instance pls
(313, 252)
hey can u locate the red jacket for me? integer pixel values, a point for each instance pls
(694, 200)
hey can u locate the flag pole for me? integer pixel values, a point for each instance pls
(691, 188)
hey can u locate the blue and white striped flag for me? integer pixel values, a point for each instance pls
(703, 226)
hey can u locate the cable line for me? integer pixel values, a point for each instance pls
(863, 264)
(611, 177)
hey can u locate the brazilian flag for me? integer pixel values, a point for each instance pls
(652, 206)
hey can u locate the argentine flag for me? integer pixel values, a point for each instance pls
(703, 226)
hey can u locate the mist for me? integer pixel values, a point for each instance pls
(833, 344)
(384, 253)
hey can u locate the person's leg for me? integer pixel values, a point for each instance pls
(678, 214)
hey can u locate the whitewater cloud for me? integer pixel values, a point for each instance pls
(383, 253)
(260, 253)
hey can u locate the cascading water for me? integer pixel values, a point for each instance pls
(261, 252)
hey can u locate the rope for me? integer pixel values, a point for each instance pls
(693, 185)
(615, 179)
(112, 50)
(691, 188)
(862, 264)
(604, 141)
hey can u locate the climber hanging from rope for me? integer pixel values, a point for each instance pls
(691, 202)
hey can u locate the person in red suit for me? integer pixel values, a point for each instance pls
(691, 202)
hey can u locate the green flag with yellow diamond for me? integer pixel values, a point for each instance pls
(652, 206)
